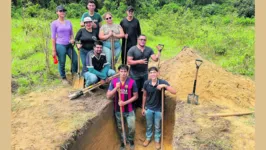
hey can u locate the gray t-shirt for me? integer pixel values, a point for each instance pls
(139, 69)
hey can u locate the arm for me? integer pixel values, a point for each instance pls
(121, 33)
(81, 20)
(138, 29)
(157, 57)
(104, 37)
(111, 93)
(77, 39)
(71, 35)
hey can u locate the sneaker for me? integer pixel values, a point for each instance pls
(64, 81)
(122, 146)
(157, 145)
(132, 145)
(146, 142)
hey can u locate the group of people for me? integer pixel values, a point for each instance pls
(138, 85)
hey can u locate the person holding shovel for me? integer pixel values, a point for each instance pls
(87, 36)
(108, 31)
(123, 107)
(132, 30)
(62, 40)
(138, 57)
(98, 67)
(152, 105)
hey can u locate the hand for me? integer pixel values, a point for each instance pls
(94, 24)
(102, 81)
(143, 112)
(72, 41)
(117, 85)
(54, 53)
(159, 48)
(79, 46)
(143, 61)
(110, 33)
(160, 86)
(126, 36)
(121, 103)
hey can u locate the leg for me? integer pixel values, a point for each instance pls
(83, 55)
(157, 124)
(107, 51)
(131, 125)
(72, 55)
(117, 50)
(111, 72)
(119, 126)
(61, 54)
(90, 78)
(149, 123)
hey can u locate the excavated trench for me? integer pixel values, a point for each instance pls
(100, 133)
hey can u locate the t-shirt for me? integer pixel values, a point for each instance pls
(132, 28)
(60, 32)
(96, 62)
(153, 99)
(85, 37)
(106, 28)
(126, 92)
(96, 18)
(139, 70)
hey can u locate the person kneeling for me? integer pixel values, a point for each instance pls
(98, 67)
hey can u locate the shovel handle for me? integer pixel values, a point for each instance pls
(122, 118)
(198, 62)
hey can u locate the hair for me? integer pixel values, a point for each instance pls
(123, 66)
(153, 69)
(141, 35)
(98, 43)
(107, 13)
(91, 1)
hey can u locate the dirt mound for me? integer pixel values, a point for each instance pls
(214, 83)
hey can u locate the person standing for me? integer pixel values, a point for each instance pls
(152, 104)
(138, 58)
(129, 93)
(87, 36)
(98, 67)
(96, 17)
(62, 40)
(132, 30)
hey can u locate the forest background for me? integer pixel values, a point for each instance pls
(222, 31)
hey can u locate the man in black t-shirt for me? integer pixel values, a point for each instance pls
(138, 58)
(132, 30)
(98, 67)
(152, 103)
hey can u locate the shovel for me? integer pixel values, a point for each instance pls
(162, 46)
(162, 118)
(78, 81)
(125, 51)
(122, 119)
(193, 98)
(113, 53)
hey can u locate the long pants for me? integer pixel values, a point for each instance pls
(153, 117)
(108, 52)
(92, 78)
(130, 118)
(83, 55)
(61, 52)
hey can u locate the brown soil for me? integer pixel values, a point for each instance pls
(49, 120)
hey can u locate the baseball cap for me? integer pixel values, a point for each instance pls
(130, 8)
(60, 7)
(87, 19)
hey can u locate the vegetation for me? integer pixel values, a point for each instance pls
(222, 31)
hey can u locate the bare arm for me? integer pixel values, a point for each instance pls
(167, 87)
(132, 99)
(53, 47)
(111, 93)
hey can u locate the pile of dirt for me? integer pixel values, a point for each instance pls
(214, 84)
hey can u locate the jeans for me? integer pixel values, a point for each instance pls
(130, 118)
(92, 78)
(139, 81)
(153, 117)
(61, 52)
(108, 52)
(83, 55)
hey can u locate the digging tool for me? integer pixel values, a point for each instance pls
(230, 114)
(78, 81)
(89, 88)
(162, 118)
(193, 98)
(125, 51)
(113, 52)
(162, 46)
(122, 119)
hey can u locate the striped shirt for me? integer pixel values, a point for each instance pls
(92, 61)
(126, 92)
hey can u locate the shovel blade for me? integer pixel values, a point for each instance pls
(193, 99)
(78, 82)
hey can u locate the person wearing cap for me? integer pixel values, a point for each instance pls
(62, 40)
(132, 30)
(86, 37)
(152, 104)
(129, 93)
(96, 17)
(98, 67)
(138, 58)
(108, 31)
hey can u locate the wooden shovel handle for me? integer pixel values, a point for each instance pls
(122, 118)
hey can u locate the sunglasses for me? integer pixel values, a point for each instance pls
(61, 10)
(108, 18)
(142, 39)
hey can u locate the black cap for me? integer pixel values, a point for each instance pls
(130, 8)
(60, 7)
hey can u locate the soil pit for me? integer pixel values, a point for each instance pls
(101, 132)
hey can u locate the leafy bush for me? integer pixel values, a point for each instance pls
(245, 8)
